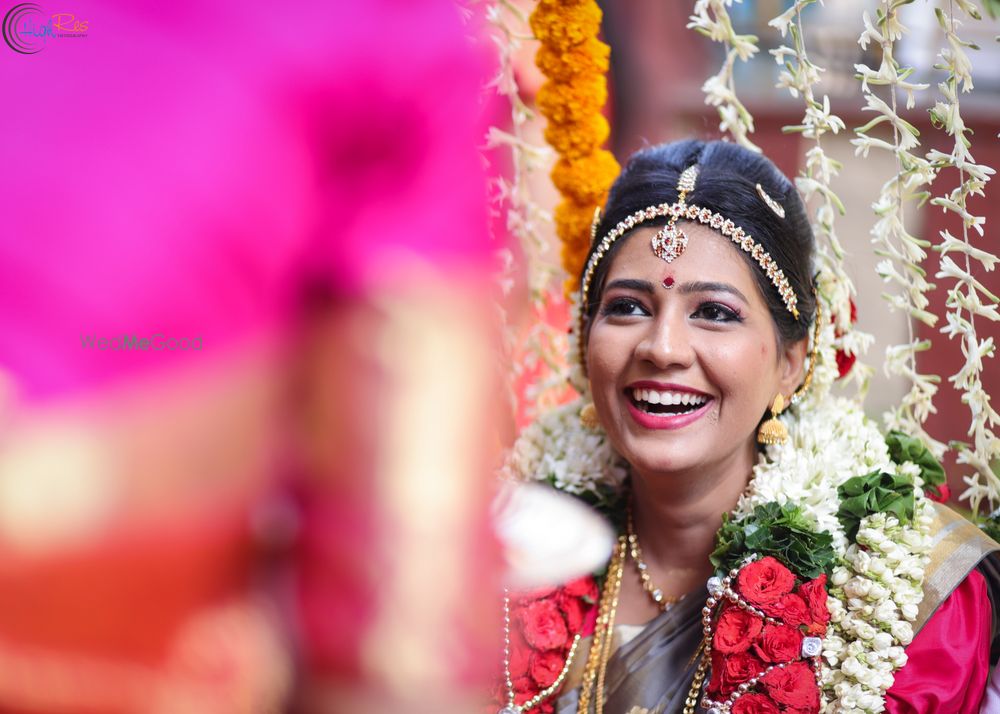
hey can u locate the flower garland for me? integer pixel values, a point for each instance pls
(543, 627)
(967, 297)
(838, 497)
(904, 252)
(800, 76)
(575, 62)
(711, 19)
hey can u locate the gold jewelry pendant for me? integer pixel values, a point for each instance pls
(773, 431)
(669, 242)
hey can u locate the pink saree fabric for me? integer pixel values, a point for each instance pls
(949, 658)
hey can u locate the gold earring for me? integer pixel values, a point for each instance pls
(588, 416)
(773, 431)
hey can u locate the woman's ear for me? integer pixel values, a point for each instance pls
(792, 358)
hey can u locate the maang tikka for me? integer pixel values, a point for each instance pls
(670, 241)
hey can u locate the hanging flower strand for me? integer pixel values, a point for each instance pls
(967, 298)
(575, 62)
(712, 20)
(799, 76)
(903, 252)
(524, 218)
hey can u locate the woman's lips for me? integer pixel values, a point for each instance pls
(665, 421)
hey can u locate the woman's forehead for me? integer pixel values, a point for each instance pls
(708, 256)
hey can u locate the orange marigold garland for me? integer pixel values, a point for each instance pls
(575, 62)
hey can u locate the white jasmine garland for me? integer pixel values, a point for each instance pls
(557, 449)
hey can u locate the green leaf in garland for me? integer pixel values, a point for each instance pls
(878, 492)
(903, 447)
(782, 531)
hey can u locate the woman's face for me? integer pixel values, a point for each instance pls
(682, 375)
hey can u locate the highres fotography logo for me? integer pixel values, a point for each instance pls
(27, 28)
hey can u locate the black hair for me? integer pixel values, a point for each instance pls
(727, 178)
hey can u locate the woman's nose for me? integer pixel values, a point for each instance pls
(667, 343)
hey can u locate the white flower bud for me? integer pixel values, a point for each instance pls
(882, 642)
(902, 631)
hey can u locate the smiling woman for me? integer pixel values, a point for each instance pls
(699, 322)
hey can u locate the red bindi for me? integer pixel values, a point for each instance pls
(668, 282)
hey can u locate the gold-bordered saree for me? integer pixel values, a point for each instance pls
(653, 665)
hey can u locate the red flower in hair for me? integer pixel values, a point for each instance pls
(845, 361)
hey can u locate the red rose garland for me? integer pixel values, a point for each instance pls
(758, 620)
(543, 624)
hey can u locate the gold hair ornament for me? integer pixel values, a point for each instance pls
(778, 209)
(680, 210)
(670, 241)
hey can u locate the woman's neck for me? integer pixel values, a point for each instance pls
(677, 515)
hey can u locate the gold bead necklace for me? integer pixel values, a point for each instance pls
(592, 683)
(662, 601)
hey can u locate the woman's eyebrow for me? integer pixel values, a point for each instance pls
(641, 286)
(709, 287)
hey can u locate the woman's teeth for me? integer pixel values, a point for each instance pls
(657, 402)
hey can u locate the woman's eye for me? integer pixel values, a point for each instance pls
(716, 312)
(623, 307)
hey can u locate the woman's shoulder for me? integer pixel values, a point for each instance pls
(948, 662)
(958, 547)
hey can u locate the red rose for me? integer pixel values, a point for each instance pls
(791, 610)
(730, 671)
(754, 704)
(797, 710)
(585, 587)
(741, 667)
(779, 644)
(794, 685)
(544, 626)
(736, 630)
(941, 494)
(524, 689)
(717, 683)
(765, 581)
(520, 652)
(573, 609)
(845, 362)
(545, 667)
(814, 593)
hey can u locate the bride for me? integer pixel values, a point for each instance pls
(832, 580)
